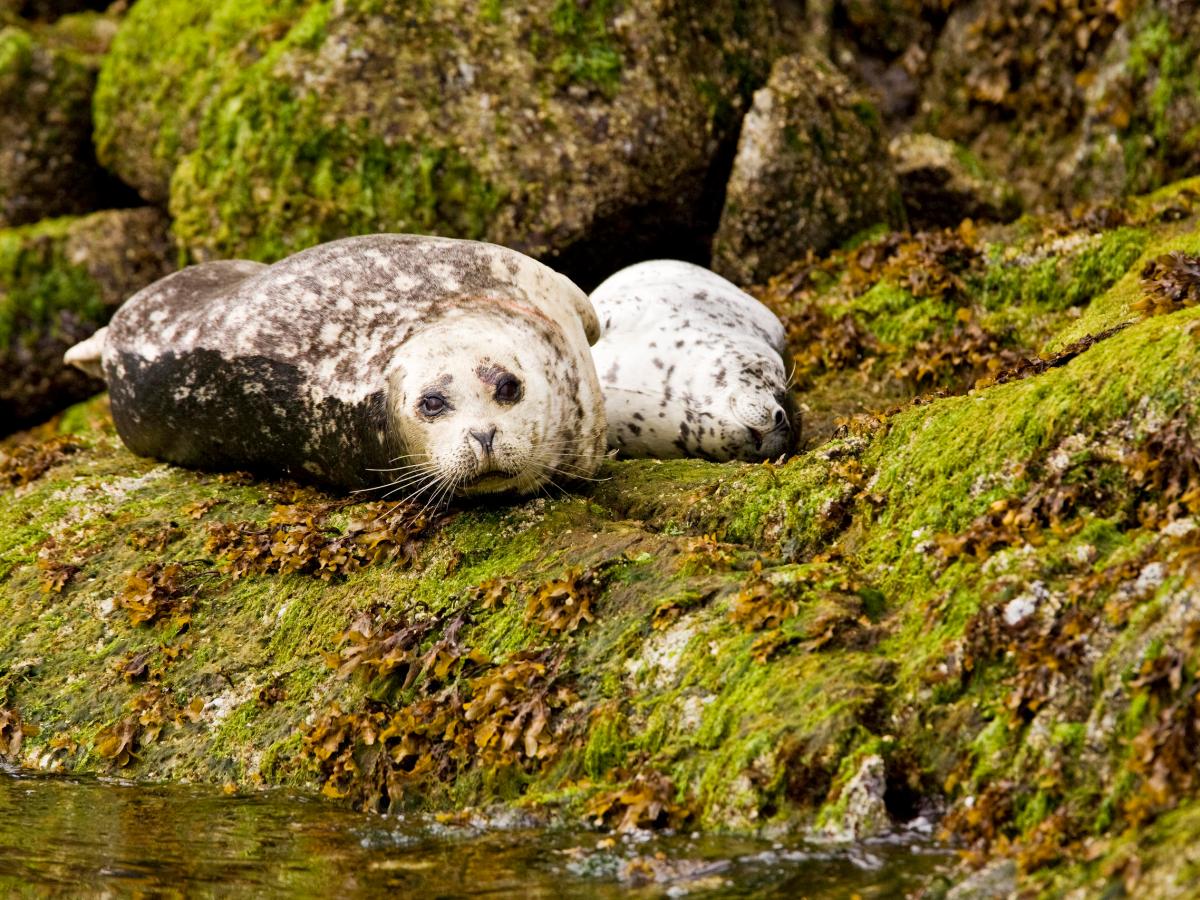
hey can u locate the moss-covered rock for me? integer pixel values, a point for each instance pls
(1107, 105)
(274, 126)
(942, 183)
(984, 602)
(47, 164)
(60, 280)
(811, 171)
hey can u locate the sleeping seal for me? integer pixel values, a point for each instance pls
(691, 365)
(429, 365)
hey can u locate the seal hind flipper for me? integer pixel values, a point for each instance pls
(88, 355)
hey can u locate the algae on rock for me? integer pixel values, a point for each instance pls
(271, 127)
(985, 602)
(60, 280)
(47, 164)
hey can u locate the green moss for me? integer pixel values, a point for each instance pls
(1114, 306)
(167, 94)
(38, 282)
(898, 318)
(1017, 290)
(590, 55)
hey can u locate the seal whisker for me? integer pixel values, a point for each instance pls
(406, 479)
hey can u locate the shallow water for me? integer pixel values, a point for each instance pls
(76, 836)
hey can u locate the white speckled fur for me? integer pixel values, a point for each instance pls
(690, 365)
(363, 323)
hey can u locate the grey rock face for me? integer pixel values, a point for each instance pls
(811, 170)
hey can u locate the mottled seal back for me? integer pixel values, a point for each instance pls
(690, 365)
(298, 367)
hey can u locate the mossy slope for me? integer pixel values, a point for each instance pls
(990, 597)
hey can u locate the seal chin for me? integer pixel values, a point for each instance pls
(493, 481)
(770, 444)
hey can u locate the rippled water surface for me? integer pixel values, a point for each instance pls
(85, 836)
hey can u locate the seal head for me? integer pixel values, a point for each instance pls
(691, 365)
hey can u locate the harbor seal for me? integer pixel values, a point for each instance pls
(691, 365)
(427, 365)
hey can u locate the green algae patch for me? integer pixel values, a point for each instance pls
(1117, 305)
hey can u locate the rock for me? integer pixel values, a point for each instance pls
(59, 281)
(860, 811)
(47, 165)
(997, 881)
(48, 10)
(1106, 106)
(756, 638)
(811, 170)
(943, 183)
(569, 131)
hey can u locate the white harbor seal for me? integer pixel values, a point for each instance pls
(691, 365)
(427, 365)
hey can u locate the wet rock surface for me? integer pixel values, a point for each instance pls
(811, 171)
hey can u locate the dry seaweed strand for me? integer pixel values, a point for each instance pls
(298, 539)
(1170, 282)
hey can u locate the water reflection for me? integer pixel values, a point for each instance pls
(68, 835)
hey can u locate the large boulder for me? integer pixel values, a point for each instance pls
(811, 170)
(60, 280)
(47, 164)
(270, 127)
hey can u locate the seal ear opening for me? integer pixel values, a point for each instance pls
(88, 356)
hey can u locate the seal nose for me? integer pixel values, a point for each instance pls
(485, 439)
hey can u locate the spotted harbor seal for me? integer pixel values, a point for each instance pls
(691, 366)
(429, 366)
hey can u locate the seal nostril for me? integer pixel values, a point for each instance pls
(778, 417)
(485, 438)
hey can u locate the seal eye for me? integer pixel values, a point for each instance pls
(508, 389)
(432, 404)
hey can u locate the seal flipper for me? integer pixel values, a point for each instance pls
(88, 356)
